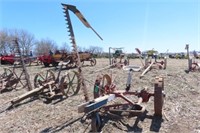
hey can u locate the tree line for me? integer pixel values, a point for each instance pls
(28, 43)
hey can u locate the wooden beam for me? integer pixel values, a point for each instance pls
(95, 104)
(30, 93)
(146, 70)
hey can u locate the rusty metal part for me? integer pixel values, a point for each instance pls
(10, 79)
(69, 84)
(103, 85)
(156, 64)
(72, 38)
(24, 71)
(192, 64)
(5, 79)
(48, 86)
(93, 61)
(44, 84)
(131, 106)
(80, 16)
(41, 78)
(75, 49)
(30, 93)
(158, 96)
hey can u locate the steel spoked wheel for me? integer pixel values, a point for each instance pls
(7, 72)
(126, 62)
(158, 96)
(103, 86)
(42, 78)
(95, 122)
(70, 84)
(93, 62)
(114, 61)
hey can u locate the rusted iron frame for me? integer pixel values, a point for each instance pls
(157, 64)
(18, 78)
(27, 77)
(121, 94)
(194, 66)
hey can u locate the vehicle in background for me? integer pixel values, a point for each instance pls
(7, 59)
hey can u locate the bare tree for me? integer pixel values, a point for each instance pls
(3, 37)
(81, 49)
(26, 40)
(44, 46)
(65, 47)
(95, 50)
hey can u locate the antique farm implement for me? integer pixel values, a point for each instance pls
(69, 84)
(47, 85)
(118, 58)
(152, 63)
(107, 99)
(71, 57)
(73, 9)
(10, 78)
(192, 64)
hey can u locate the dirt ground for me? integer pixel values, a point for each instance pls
(181, 108)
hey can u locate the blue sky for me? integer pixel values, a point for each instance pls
(144, 24)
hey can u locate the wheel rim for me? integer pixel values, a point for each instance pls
(103, 87)
(6, 73)
(95, 122)
(42, 78)
(70, 84)
(93, 62)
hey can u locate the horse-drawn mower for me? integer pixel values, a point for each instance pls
(48, 86)
(108, 99)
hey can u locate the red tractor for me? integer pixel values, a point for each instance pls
(47, 60)
(7, 59)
